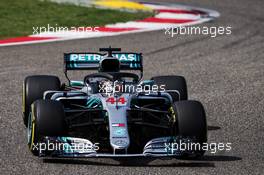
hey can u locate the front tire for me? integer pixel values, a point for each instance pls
(47, 118)
(191, 122)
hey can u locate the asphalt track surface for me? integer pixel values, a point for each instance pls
(225, 73)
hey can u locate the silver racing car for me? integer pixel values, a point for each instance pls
(113, 112)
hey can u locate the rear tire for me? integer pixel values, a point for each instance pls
(47, 118)
(172, 82)
(33, 89)
(191, 122)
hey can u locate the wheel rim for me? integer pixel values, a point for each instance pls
(29, 129)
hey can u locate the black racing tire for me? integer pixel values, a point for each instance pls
(33, 89)
(47, 118)
(173, 82)
(191, 122)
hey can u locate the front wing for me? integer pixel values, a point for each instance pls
(70, 147)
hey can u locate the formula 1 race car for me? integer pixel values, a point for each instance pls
(111, 113)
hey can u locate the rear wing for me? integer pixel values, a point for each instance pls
(91, 61)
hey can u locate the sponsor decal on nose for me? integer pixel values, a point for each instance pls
(118, 125)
